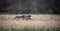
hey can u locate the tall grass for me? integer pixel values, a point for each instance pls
(31, 29)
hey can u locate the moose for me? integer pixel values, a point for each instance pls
(23, 17)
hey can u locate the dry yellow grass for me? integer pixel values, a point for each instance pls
(47, 21)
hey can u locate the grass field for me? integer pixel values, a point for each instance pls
(31, 29)
(38, 23)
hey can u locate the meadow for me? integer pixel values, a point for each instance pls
(37, 23)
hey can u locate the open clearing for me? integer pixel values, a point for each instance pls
(47, 21)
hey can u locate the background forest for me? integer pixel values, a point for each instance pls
(29, 6)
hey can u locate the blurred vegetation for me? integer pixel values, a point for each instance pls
(30, 7)
(32, 29)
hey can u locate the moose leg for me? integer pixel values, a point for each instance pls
(28, 18)
(23, 18)
(15, 17)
